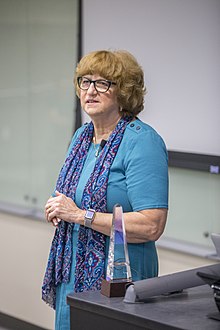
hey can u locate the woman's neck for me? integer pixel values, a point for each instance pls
(103, 129)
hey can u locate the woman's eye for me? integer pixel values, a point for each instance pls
(102, 83)
(85, 82)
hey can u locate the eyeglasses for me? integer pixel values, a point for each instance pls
(101, 85)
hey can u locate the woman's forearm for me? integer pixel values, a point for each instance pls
(142, 226)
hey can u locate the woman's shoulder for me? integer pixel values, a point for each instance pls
(139, 131)
(80, 130)
(142, 141)
(139, 127)
(76, 134)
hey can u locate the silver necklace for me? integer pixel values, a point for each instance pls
(96, 148)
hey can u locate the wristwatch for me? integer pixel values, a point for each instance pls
(89, 218)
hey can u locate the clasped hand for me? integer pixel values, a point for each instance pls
(61, 207)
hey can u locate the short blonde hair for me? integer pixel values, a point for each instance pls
(120, 67)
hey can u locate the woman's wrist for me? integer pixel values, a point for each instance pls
(81, 217)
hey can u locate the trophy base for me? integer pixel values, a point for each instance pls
(114, 288)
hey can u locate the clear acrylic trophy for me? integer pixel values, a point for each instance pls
(118, 273)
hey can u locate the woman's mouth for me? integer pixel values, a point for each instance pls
(91, 101)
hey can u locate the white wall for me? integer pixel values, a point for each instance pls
(24, 246)
(172, 262)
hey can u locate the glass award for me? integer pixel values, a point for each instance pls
(118, 273)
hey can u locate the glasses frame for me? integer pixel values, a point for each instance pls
(110, 83)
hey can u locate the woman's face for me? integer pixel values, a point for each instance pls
(97, 104)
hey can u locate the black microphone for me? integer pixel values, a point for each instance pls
(101, 146)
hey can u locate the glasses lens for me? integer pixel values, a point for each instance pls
(102, 85)
(84, 83)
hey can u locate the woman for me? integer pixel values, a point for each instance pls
(116, 158)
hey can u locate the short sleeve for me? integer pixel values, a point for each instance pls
(146, 166)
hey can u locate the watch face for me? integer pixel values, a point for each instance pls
(89, 214)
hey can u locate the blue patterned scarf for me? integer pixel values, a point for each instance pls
(90, 256)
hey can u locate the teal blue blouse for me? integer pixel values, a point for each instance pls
(138, 180)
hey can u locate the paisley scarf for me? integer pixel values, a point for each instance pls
(90, 256)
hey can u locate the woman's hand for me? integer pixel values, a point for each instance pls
(62, 207)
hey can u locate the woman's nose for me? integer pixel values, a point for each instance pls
(91, 88)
